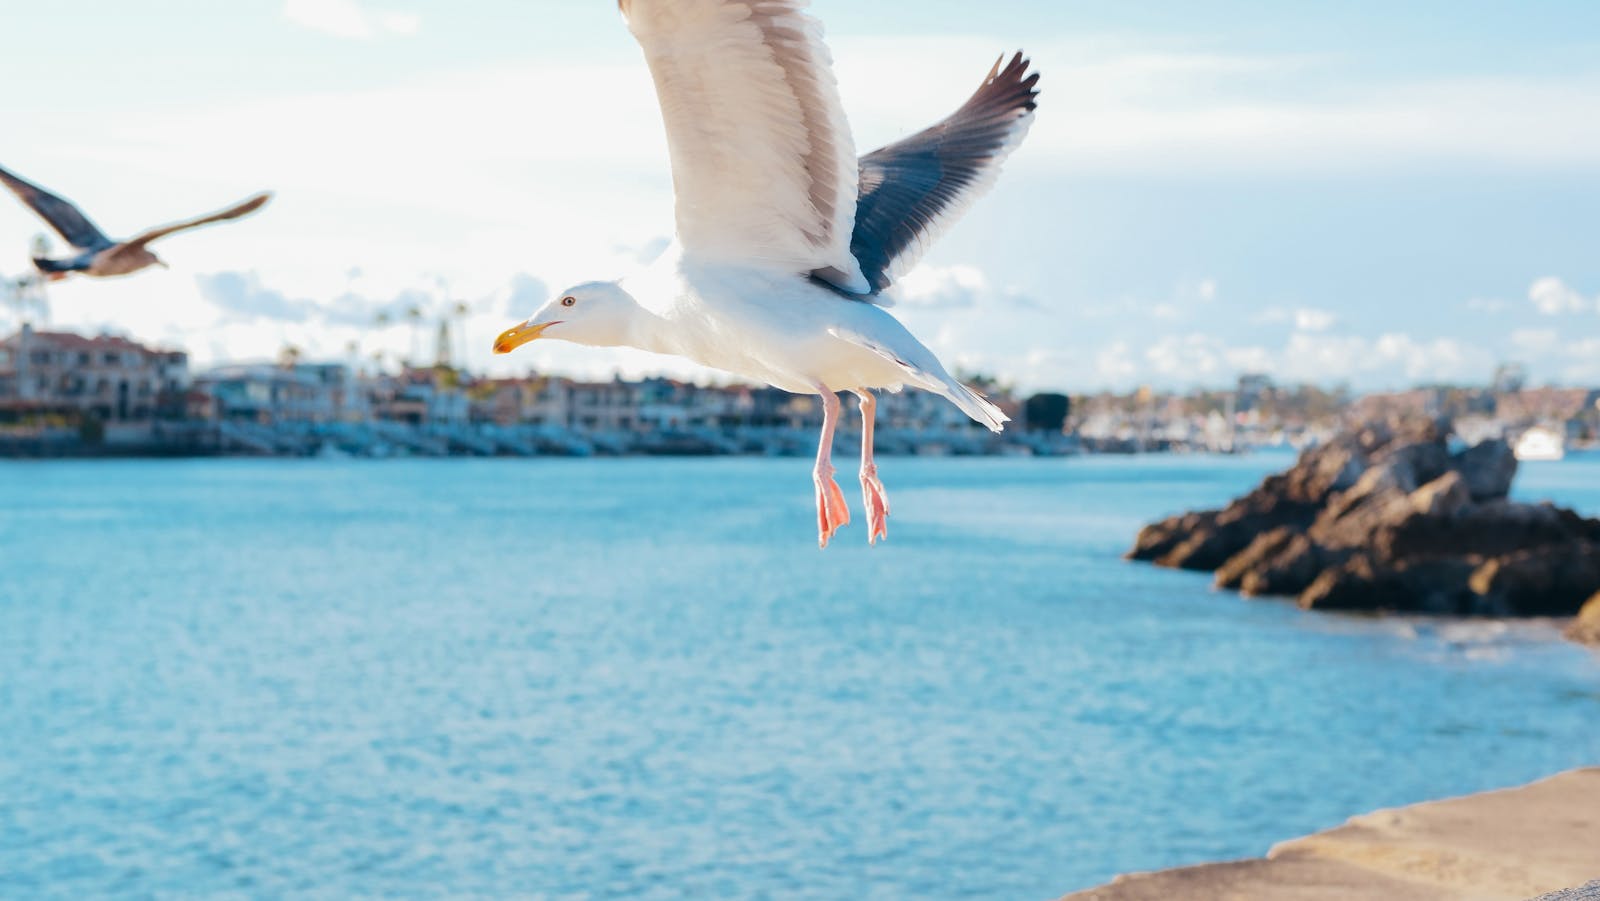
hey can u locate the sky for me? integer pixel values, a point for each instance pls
(1363, 193)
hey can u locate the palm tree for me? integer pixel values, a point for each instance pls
(461, 311)
(289, 356)
(414, 314)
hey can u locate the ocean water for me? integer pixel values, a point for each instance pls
(641, 679)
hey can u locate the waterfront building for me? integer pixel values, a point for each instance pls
(107, 377)
(268, 393)
(433, 396)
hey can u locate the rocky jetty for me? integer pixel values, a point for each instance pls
(1388, 517)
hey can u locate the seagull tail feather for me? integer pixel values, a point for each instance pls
(45, 264)
(933, 377)
(976, 405)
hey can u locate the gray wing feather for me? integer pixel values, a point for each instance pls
(68, 221)
(242, 208)
(912, 187)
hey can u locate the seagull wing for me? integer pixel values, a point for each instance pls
(243, 208)
(914, 189)
(68, 221)
(762, 159)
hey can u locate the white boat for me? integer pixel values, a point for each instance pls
(1540, 443)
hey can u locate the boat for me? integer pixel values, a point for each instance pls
(1540, 443)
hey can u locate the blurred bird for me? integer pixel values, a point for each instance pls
(98, 255)
(784, 239)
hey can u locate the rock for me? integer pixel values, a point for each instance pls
(1488, 467)
(1548, 581)
(1443, 497)
(1585, 628)
(1489, 530)
(1429, 586)
(1290, 571)
(1266, 547)
(1387, 496)
(1157, 540)
(1589, 891)
(1386, 518)
(1207, 540)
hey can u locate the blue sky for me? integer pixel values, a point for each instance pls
(1364, 192)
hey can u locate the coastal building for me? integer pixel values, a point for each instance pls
(603, 406)
(433, 396)
(516, 401)
(1253, 388)
(268, 393)
(107, 377)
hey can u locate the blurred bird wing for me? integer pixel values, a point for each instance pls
(762, 159)
(243, 208)
(68, 221)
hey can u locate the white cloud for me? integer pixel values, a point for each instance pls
(1114, 364)
(1487, 305)
(1394, 358)
(1553, 297)
(1582, 364)
(1309, 319)
(1389, 360)
(942, 287)
(348, 19)
(1535, 341)
(1108, 106)
(1249, 359)
(1186, 358)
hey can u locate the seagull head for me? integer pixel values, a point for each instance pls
(598, 314)
(143, 257)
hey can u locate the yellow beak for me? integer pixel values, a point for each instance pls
(513, 338)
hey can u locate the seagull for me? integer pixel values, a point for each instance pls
(98, 255)
(785, 240)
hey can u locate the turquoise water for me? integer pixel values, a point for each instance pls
(641, 679)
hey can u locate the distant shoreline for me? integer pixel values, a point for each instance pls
(382, 439)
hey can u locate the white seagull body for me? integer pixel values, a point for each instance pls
(785, 239)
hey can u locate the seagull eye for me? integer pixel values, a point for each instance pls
(568, 301)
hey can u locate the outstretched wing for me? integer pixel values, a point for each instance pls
(912, 190)
(244, 208)
(68, 221)
(762, 159)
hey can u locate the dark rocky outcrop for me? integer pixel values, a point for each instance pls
(1385, 517)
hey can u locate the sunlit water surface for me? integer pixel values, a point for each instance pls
(641, 679)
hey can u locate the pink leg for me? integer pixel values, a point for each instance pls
(832, 514)
(873, 497)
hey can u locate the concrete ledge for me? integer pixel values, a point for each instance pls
(1505, 845)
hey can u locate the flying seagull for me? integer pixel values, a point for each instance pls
(784, 239)
(98, 255)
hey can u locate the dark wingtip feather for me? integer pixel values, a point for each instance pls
(1017, 84)
(908, 186)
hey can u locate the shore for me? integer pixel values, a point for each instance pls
(1506, 845)
(386, 439)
